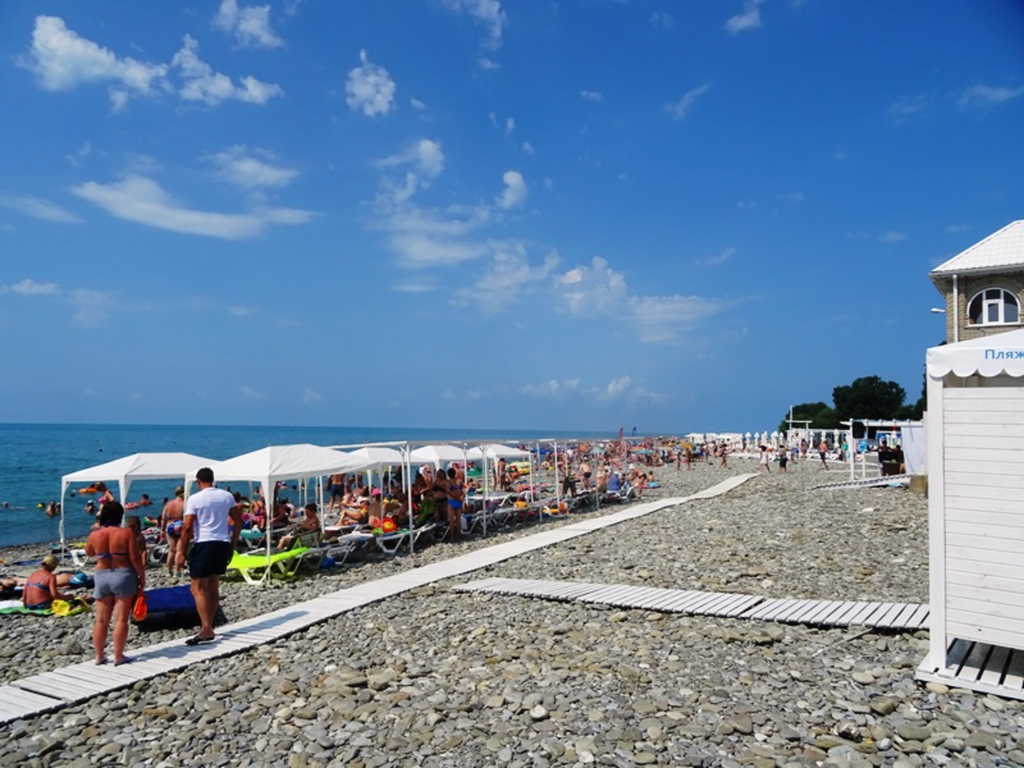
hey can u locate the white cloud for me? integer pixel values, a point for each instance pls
(140, 199)
(598, 290)
(624, 389)
(678, 110)
(510, 125)
(417, 104)
(251, 393)
(311, 396)
(92, 307)
(201, 83)
(528, 148)
(662, 20)
(659, 319)
(240, 311)
(28, 287)
(418, 250)
(794, 197)
(719, 258)
(487, 12)
(424, 162)
(892, 237)
(955, 228)
(425, 154)
(988, 95)
(38, 209)
(62, 60)
(594, 96)
(908, 106)
(515, 190)
(508, 275)
(750, 18)
(552, 388)
(83, 152)
(369, 89)
(250, 26)
(251, 169)
(592, 290)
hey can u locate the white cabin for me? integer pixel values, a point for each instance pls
(975, 436)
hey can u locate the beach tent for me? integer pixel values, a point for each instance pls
(975, 452)
(491, 452)
(138, 466)
(437, 454)
(381, 456)
(269, 465)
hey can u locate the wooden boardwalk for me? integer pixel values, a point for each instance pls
(821, 613)
(76, 683)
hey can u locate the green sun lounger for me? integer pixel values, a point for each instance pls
(256, 567)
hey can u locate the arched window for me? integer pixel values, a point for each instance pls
(993, 306)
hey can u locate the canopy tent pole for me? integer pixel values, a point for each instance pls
(558, 485)
(483, 508)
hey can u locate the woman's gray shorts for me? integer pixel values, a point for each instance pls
(119, 582)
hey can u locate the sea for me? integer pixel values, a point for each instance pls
(34, 458)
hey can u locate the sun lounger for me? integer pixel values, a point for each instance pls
(256, 568)
(350, 544)
(389, 543)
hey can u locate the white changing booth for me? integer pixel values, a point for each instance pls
(975, 437)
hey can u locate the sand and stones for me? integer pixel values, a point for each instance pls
(435, 677)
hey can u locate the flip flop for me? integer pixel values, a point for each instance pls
(101, 661)
(197, 640)
(124, 660)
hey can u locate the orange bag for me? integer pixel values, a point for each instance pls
(140, 610)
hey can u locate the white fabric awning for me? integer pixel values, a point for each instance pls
(496, 451)
(437, 454)
(377, 455)
(287, 462)
(141, 466)
(987, 356)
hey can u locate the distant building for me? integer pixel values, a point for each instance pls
(984, 286)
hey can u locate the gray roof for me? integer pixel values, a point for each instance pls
(1000, 250)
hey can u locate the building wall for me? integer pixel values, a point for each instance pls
(969, 285)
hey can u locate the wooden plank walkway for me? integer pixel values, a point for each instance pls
(865, 482)
(52, 690)
(979, 667)
(821, 613)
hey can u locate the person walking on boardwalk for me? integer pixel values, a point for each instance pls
(213, 523)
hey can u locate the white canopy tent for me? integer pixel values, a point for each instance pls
(138, 466)
(491, 452)
(269, 465)
(975, 456)
(437, 454)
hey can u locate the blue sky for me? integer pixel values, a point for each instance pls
(582, 214)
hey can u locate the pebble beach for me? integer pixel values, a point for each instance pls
(441, 678)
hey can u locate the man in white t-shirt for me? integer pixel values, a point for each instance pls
(213, 522)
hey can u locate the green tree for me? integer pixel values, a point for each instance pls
(869, 398)
(812, 412)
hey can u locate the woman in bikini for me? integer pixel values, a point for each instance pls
(456, 496)
(439, 494)
(120, 576)
(41, 588)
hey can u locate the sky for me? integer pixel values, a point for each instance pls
(572, 214)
